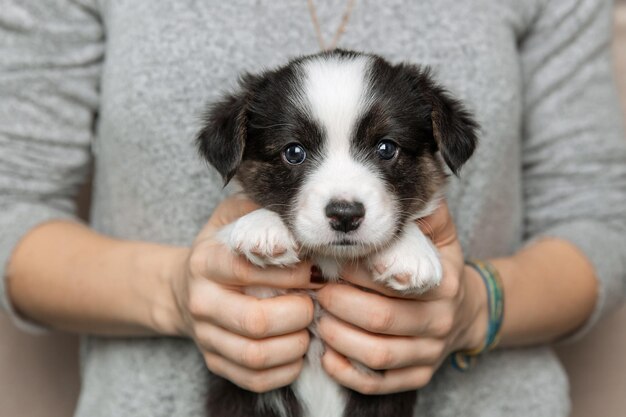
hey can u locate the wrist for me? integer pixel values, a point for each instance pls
(165, 317)
(478, 311)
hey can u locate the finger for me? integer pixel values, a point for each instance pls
(251, 353)
(381, 314)
(397, 380)
(249, 316)
(439, 226)
(376, 351)
(359, 275)
(216, 262)
(251, 380)
(229, 210)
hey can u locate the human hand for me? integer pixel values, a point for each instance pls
(406, 338)
(257, 344)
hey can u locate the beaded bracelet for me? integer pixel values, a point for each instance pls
(464, 360)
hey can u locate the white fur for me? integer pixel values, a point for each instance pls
(342, 178)
(271, 401)
(335, 90)
(321, 396)
(329, 266)
(410, 265)
(335, 93)
(262, 237)
(430, 206)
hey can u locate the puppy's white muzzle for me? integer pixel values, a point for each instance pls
(344, 209)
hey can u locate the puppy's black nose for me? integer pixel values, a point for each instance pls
(345, 216)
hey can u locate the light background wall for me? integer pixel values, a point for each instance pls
(39, 374)
(597, 364)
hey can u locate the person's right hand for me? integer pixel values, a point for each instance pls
(257, 344)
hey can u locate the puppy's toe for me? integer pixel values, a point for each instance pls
(406, 270)
(403, 278)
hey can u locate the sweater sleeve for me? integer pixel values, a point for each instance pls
(574, 150)
(51, 53)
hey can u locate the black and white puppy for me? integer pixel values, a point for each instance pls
(343, 151)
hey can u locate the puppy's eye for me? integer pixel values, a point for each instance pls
(386, 149)
(294, 154)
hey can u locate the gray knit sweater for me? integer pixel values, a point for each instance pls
(123, 82)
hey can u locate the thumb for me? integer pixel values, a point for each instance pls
(229, 210)
(439, 226)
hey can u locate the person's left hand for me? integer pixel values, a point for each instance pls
(405, 338)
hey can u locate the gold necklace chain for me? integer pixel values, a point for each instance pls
(340, 30)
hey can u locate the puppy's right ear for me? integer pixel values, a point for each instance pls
(223, 138)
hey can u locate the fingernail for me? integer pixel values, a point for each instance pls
(316, 275)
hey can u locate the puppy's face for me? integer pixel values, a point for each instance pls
(344, 146)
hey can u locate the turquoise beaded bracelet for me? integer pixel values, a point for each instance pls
(464, 360)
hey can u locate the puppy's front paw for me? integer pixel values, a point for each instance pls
(262, 237)
(411, 265)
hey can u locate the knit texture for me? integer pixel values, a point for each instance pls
(124, 82)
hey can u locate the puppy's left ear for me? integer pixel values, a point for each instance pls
(222, 140)
(454, 128)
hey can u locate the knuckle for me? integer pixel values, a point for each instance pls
(212, 363)
(197, 305)
(200, 335)
(254, 356)
(379, 357)
(254, 321)
(423, 377)
(259, 383)
(303, 341)
(328, 332)
(369, 386)
(443, 325)
(380, 320)
(304, 308)
(326, 298)
(295, 371)
(310, 310)
(241, 269)
(435, 351)
(329, 368)
(207, 344)
(197, 262)
(330, 337)
(451, 287)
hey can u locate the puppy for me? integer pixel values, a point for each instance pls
(344, 151)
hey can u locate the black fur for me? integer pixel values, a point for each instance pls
(400, 404)
(226, 399)
(245, 134)
(454, 128)
(402, 113)
(408, 91)
(223, 138)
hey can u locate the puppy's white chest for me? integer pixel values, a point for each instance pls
(319, 395)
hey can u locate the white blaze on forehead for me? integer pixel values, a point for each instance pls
(336, 90)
